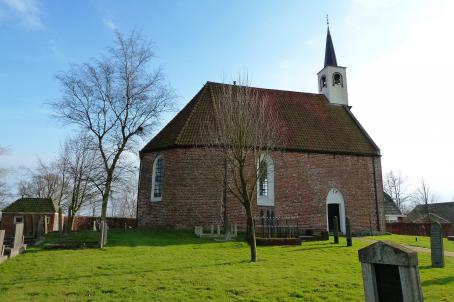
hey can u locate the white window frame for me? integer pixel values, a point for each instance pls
(15, 219)
(267, 200)
(153, 175)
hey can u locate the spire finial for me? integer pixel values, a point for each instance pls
(327, 20)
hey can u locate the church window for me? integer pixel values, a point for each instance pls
(158, 177)
(323, 81)
(337, 79)
(265, 182)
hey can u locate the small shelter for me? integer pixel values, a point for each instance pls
(37, 215)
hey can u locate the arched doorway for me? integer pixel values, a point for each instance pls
(335, 207)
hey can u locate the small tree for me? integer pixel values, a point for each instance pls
(424, 196)
(116, 99)
(82, 161)
(395, 185)
(244, 132)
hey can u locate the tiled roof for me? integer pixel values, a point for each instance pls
(390, 206)
(32, 205)
(442, 212)
(308, 123)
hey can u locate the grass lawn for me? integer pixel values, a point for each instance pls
(422, 241)
(141, 265)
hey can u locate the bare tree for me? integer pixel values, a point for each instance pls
(116, 99)
(395, 185)
(82, 160)
(124, 200)
(42, 182)
(244, 132)
(4, 189)
(424, 196)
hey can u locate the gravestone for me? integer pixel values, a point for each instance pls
(390, 273)
(94, 225)
(18, 243)
(219, 230)
(436, 245)
(2, 247)
(348, 231)
(336, 230)
(46, 225)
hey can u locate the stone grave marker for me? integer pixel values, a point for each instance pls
(390, 273)
(94, 225)
(219, 230)
(2, 247)
(336, 229)
(18, 244)
(46, 225)
(348, 231)
(436, 245)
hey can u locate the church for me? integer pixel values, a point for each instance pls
(328, 166)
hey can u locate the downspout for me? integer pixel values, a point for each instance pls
(375, 192)
(224, 199)
(138, 190)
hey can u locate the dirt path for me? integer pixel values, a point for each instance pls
(414, 248)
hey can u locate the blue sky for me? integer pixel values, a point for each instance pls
(393, 51)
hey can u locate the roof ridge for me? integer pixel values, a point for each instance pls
(269, 89)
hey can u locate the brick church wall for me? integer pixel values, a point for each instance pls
(192, 189)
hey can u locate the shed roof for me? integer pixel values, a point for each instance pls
(32, 205)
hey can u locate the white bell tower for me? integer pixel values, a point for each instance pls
(332, 79)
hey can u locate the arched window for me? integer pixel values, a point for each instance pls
(337, 79)
(158, 178)
(323, 81)
(265, 182)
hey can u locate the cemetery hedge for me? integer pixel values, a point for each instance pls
(140, 265)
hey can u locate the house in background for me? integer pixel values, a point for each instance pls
(326, 166)
(32, 212)
(442, 212)
(392, 212)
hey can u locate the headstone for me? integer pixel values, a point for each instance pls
(348, 231)
(336, 230)
(18, 244)
(2, 247)
(219, 230)
(390, 273)
(436, 245)
(46, 225)
(94, 225)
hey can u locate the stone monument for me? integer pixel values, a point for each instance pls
(436, 245)
(348, 231)
(336, 229)
(390, 273)
(2, 247)
(18, 244)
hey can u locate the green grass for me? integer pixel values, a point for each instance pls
(143, 265)
(420, 241)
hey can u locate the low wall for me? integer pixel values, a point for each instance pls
(417, 229)
(86, 222)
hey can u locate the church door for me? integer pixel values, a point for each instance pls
(333, 211)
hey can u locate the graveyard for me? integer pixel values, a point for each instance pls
(178, 266)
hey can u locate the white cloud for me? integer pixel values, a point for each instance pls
(109, 24)
(26, 12)
(403, 97)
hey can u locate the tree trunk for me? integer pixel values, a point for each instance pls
(251, 233)
(105, 197)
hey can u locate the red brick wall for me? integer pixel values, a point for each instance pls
(86, 222)
(417, 229)
(192, 191)
(7, 222)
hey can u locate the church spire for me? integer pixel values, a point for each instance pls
(330, 55)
